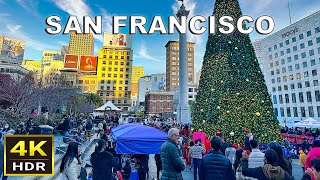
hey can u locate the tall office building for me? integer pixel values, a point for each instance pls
(115, 70)
(172, 64)
(49, 55)
(256, 43)
(137, 73)
(81, 44)
(291, 65)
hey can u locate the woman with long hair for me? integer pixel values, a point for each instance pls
(70, 165)
(313, 154)
(282, 161)
(102, 162)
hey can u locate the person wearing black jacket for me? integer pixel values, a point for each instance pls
(102, 162)
(269, 171)
(126, 171)
(282, 161)
(215, 165)
(158, 164)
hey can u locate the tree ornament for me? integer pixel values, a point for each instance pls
(225, 99)
(228, 112)
(237, 94)
(229, 42)
(258, 114)
(201, 110)
(262, 101)
(252, 100)
(218, 107)
(247, 80)
(231, 133)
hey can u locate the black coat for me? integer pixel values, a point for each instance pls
(258, 172)
(247, 143)
(215, 166)
(102, 163)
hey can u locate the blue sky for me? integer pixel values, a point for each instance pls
(25, 20)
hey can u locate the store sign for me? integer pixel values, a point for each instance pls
(293, 31)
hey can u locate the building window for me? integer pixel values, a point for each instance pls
(317, 30)
(308, 33)
(293, 97)
(313, 62)
(272, 73)
(279, 88)
(275, 47)
(103, 75)
(297, 66)
(281, 53)
(303, 55)
(289, 59)
(287, 42)
(304, 64)
(108, 88)
(295, 111)
(309, 98)
(314, 72)
(315, 83)
(307, 84)
(301, 97)
(282, 112)
(318, 40)
(300, 36)
(289, 68)
(310, 43)
(126, 88)
(280, 99)
(110, 63)
(303, 111)
(269, 49)
(276, 111)
(294, 39)
(285, 87)
(119, 101)
(311, 52)
(317, 95)
(292, 86)
(318, 110)
(109, 75)
(296, 58)
(274, 97)
(104, 62)
(288, 51)
(114, 88)
(286, 96)
(273, 89)
(302, 46)
(102, 87)
(298, 75)
(283, 61)
(306, 74)
(311, 113)
(288, 112)
(284, 70)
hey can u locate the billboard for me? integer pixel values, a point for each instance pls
(71, 61)
(117, 40)
(11, 50)
(88, 63)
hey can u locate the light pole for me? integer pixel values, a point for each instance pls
(183, 114)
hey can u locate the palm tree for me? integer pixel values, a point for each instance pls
(94, 99)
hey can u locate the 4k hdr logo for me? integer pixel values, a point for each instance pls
(29, 155)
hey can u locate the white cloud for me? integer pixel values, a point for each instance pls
(144, 54)
(79, 8)
(15, 31)
(30, 6)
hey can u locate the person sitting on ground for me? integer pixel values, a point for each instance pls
(314, 171)
(269, 171)
(215, 165)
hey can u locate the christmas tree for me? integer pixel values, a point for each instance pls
(232, 96)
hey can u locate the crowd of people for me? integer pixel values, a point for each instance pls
(315, 132)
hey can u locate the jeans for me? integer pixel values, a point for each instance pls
(196, 167)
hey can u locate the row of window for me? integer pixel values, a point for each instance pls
(294, 39)
(161, 104)
(296, 57)
(297, 66)
(115, 52)
(291, 77)
(114, 88)
(302, 112)
(116, 57)
(177, 48)
(294, 99)
(116, 63)
(119, 101)
(115, 69)
(307, 84)
(161, 97)
(114, 75)
(112, 94)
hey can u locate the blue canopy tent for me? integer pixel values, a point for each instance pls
(138, 139)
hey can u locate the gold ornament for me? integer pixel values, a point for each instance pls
(228, 112)
(200, 130)
(204, 121)
(201, 110)
(238, 94)
(231, 133)
(258, 114)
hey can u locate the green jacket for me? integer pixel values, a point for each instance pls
(172, 164)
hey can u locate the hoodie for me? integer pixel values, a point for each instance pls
(273, 172)
(102, 163)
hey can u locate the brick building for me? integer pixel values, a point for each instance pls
(159, 103)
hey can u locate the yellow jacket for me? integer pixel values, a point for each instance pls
(302, 158)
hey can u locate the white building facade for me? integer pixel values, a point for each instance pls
(291, 65)
(192, 94)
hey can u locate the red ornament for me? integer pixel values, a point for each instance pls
(198, 106)
(225, 99)
(228, 70)
(245, 129)
(252, 100)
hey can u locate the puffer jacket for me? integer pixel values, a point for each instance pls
(172, 164)
(256, 158)
(72, 170)
(215, 166)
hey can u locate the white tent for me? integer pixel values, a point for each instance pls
(308, 123)
(108, 104)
